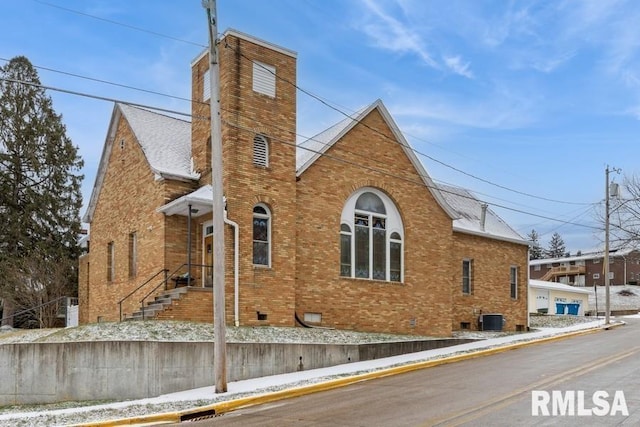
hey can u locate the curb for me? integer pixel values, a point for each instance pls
(244, 402)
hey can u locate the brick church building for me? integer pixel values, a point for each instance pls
(345, 230)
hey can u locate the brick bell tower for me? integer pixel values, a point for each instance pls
(258, 112)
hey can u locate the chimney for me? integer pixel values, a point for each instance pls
(483, 215)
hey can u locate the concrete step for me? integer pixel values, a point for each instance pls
(160, 302)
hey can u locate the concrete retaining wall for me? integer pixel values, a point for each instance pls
(34, 373)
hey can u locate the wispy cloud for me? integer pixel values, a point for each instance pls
(551, 63)
(391, 34)
(634, 111)
(456, 65)
(491, 113)
(400, 36)
(513, 22)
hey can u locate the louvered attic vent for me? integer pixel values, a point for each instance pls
(260, 151)
(264, 79)
(206, 85)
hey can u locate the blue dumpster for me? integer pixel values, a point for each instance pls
(560, 307)
(573, 309)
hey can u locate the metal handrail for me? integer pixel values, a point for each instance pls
(164, 282)
(164, 270)
(32, 308)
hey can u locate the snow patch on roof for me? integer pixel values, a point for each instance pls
(308, 151)
(469, 210)
(543, 284)
(165, 141)
(587, 255)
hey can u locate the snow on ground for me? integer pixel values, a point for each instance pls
(621, 297)
(83, 412)
(194, 331)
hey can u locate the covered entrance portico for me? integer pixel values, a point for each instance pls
(196, 205)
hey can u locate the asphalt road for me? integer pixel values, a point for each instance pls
(498, 390)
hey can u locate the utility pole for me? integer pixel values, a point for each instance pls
(219, 328)
(606, 249)
(606, 243)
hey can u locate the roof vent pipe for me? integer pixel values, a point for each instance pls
(483, 215)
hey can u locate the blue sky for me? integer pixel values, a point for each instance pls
(523, 102)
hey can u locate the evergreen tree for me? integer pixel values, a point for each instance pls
(535, 251)
(556, 247)
(40, 195)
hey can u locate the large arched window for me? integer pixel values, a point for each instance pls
(261, 235)
(371, 235)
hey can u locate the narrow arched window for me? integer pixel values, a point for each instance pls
(345, 250)
(261, 235)
(374, 249)
(260, 151)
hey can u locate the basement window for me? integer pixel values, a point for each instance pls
(313, 317)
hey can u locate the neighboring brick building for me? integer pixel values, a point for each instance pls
(345, 230)
(588, 269)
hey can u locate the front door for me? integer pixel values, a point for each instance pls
(207, 251)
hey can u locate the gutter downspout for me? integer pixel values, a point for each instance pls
(236, 250)
(188, 249)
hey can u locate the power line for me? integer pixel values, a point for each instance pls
(359, 122)
(131, 27)
(66, 73)
(505, 200)
(98, 97)
(421, 183)
(314, 96)
(204, 103)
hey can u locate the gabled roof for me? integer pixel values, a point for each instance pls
(543, 284)
(200, 200)
(585, 256)
(463, 208)
(164, 140)
(307, 152)
(469, 216)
